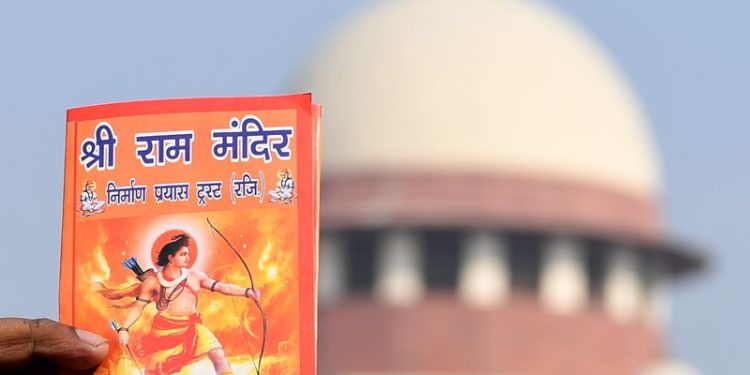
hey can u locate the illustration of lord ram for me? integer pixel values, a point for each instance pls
(177, 336)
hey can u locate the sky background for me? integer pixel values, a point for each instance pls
(688, 61)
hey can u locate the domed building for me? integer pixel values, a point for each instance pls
(490, 198)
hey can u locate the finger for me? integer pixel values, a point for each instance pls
(24, 341)
(139, 352)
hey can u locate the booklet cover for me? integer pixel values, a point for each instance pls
(190, 234)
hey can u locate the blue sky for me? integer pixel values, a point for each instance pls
(687, 61)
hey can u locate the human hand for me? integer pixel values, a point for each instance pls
(253, 293)
(123, 337)
(43, 346)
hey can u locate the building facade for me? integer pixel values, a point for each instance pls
(490, 198)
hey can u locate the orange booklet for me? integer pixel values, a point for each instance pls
(190, 234)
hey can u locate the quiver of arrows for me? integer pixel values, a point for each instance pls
(132, 264)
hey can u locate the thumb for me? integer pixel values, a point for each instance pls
(23, 340)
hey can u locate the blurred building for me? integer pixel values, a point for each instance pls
(490, 198)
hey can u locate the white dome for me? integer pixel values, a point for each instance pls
(483, 85)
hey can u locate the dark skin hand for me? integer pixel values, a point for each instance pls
(43, 346)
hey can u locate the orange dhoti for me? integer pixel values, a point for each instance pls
(175, 342)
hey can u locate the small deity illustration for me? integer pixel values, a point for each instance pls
(284, 192)
(90, 203)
